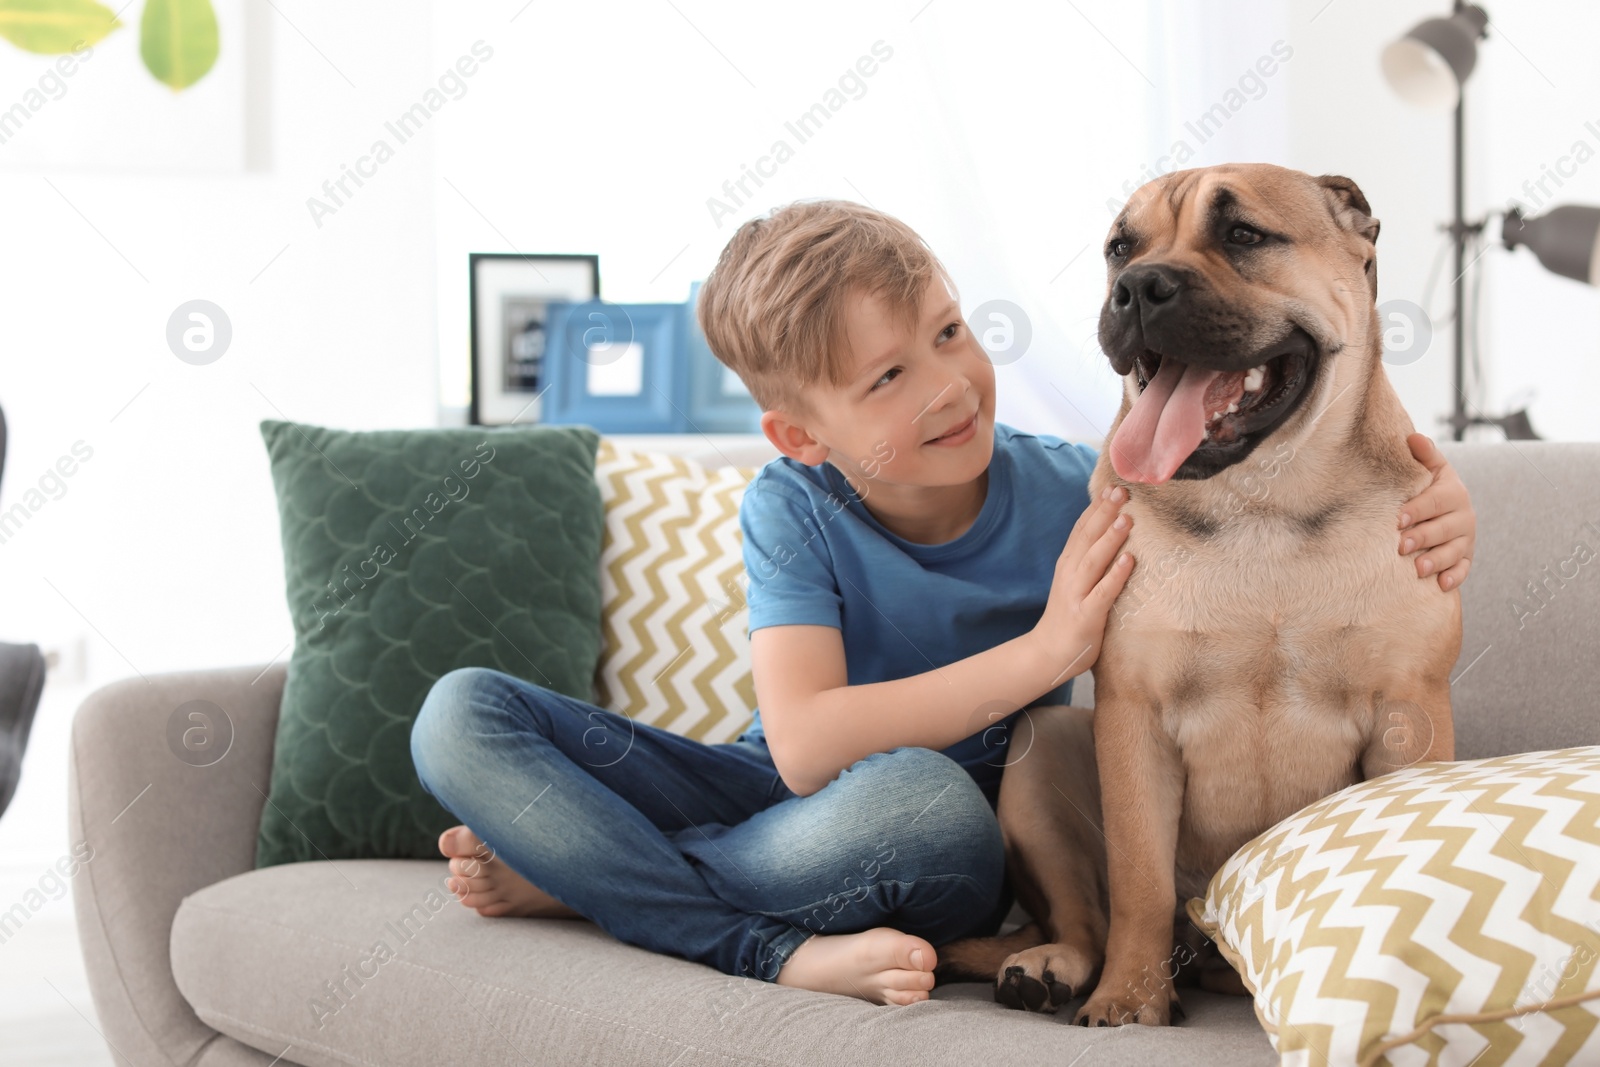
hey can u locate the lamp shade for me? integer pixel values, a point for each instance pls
(1428, 66)
(1566, 240)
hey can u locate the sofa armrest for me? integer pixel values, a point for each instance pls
(161, 828)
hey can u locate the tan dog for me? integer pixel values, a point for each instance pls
(1272, 646)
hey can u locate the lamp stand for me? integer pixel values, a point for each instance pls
(1458, 234)
(1515, 425)
(1434, 57)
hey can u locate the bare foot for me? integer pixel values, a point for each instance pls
(881, 965)
(485, 884)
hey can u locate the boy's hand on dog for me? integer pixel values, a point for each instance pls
(1089, 575)
(1440, 517)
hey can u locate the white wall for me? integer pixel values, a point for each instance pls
(166, 541)
(163, 552)
(606, 130)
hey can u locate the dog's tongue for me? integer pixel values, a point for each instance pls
(1165, 424)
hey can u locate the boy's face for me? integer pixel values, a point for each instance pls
(917, 408)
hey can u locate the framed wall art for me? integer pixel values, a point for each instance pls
(172, 89)
(510, 296)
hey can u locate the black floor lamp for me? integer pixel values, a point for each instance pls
(1428, 68)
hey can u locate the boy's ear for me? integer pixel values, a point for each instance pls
(792, 439)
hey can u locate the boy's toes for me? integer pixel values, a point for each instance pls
(910, 981)
(468, 867)
(459, 884)
(924, 958)
(480, 899)
(458, 841)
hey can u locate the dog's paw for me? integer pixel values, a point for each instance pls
(1161, 1008)
(1044, 978)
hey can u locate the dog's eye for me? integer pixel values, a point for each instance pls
(1118, 248)
(1244, 235)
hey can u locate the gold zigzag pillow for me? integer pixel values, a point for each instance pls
(1444, 914)
(675, 649)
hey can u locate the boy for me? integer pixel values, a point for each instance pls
(912, 585)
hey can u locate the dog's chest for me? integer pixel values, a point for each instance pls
(1296, 627)
(1259, 652)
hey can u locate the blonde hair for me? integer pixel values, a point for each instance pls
(773, 307)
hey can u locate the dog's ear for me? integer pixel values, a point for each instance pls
(1349, 206)
(1350, 210)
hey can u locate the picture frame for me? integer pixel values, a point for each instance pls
(617, 367)
(510, 297)
(718, 401)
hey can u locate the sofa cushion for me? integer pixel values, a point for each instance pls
(1527, 674)
(409, 553)
(675, 650)
(373, 962)
(1430, 915)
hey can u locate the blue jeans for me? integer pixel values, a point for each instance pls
(700, 851)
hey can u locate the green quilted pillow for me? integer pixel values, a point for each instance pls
(409, 553)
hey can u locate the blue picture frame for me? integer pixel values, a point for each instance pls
(682, 386)
(713, 406)
(580, 336)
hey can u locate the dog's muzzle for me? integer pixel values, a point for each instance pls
(1214, 407)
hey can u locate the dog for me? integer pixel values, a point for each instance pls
(1271, 646)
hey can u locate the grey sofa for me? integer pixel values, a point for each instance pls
(194, 957)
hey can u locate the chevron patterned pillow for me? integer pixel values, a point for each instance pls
(675, 652)
(1446, 913)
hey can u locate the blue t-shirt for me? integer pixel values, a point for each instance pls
(815, 555)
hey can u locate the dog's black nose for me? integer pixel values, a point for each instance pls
(1143, 289)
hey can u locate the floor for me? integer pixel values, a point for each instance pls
(45, 1011)
(46, 1016)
